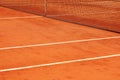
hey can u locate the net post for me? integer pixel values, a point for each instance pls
(45, 7)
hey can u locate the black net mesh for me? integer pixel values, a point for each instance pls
(104, 14)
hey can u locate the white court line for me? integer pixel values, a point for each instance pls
(20, 17)
(58, 63)
(58, 43)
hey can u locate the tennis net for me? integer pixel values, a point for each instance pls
(103, 14)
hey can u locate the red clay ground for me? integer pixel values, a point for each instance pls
(106, 69)
(18, 30)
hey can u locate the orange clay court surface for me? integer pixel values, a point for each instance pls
(39, 48)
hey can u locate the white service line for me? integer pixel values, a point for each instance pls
(20, 17)
(58, 63)
(58, 43)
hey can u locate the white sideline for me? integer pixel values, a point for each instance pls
(58, 43)
(58, 63)
(20, 17)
